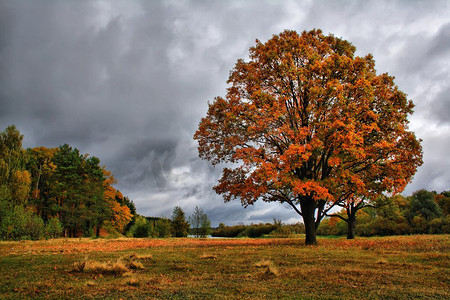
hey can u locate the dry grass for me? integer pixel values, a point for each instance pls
(90, 283)
(128, 274)
(409, 267)
(93, 266)
(382, 261)
(123, 265)
(132, 281)
(208, 256)
(131, 262)
(135, 265)
(144, 257)
(268, 267)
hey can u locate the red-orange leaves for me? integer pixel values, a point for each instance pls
(120, 214)
(295, 156)
(312, 189)
(306, 122)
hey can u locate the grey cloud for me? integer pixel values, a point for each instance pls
(440, 45)
(146, 161)
(440, 107)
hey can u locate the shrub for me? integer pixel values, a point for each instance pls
(440, 226)
(228, 231)
(254, 231)
(54, 228)
(89, 232)
(446, 225)
(383, 227)
(34, 226)
(15, 224)
(141, 228)
(283, 232)
(332, 226)
(163, 228)
(297, 228)
(420, 224)
(436, 226)
(20, 223)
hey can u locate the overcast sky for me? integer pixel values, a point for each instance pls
(129, 81)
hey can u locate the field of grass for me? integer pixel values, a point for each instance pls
(405, 267)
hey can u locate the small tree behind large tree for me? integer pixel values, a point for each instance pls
(351, 207)
(201, 225)
(307, 123)
(180, 226)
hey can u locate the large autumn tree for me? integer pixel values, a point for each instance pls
(307, 123)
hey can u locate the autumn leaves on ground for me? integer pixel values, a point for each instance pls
(390, 267)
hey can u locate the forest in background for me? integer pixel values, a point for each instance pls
(59, 192)
(423, 212)
(55, 192)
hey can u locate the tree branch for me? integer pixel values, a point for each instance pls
(338, 216)
(289, 201)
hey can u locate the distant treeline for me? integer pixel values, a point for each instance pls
(177, 226)
(421, 213)
(258, 230)
(47, 193)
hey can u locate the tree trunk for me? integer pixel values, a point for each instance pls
(97, 233)
(351, 227)
(308, 208)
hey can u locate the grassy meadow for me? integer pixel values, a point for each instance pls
(403, 267)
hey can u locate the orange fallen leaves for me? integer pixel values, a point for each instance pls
(69, 246)
(87, 245)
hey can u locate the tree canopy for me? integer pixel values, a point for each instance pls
(423, 204)
(307, 123)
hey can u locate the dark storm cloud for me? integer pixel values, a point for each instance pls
(440, 45)
(441, 106)
(128, 81)
(147, 158)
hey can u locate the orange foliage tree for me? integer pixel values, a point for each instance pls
(307, 123)
(120, 214)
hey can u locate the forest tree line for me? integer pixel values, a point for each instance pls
(59, 192)
(197, 225)
(53, 192)
(423, 212)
